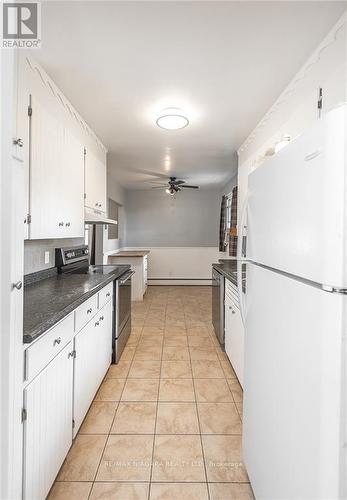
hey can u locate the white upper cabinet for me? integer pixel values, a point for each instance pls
(95, 182)
(73, 191)
(56, 177)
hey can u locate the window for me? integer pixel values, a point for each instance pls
(113, 214)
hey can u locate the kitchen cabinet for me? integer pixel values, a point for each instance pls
(138, 261)
(63, 371)
(234, 331)
(56, 186)
(93, 351)
(47, 427)
(95, 182)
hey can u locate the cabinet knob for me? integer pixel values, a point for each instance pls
(108, 294)
(18, 285)
(61, 224)
(89, 310)
(67, 224)
(97, 323)
(101, 318)
(57, 341)
(18, 142)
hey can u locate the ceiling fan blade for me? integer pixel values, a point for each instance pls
(189, 187)
(160, 187)
(178, 182)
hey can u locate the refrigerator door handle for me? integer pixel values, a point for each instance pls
(240, 257)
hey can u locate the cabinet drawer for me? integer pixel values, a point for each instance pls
(85, 312)
(105, 294)
(47, 347)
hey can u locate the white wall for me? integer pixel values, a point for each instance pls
(156, 219)
(182, 234)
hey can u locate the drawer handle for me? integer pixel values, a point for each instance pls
(61, 224)
(67, 224)
(97, 323)
(57, 341)
(108, 294)
(101, 318)
(232, 310)
(89, 310)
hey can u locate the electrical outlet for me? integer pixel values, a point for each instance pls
(47, 257)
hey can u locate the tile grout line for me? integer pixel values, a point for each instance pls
(109, 432)
(156, 416)
(199, 424)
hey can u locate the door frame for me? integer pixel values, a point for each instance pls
(11, 271)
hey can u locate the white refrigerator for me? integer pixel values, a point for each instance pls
(294, 441)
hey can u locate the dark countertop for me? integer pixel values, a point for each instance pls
(49, 300)
(228, 268)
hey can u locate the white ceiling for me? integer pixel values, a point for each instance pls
(224, 63)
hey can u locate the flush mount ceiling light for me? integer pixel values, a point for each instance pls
(172, 119)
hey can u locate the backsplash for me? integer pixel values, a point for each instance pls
(34, 252)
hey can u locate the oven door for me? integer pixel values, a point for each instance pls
(123, 302)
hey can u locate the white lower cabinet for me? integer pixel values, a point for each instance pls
(234, 336)
(93, 348)
(47, 429)
(60, 388)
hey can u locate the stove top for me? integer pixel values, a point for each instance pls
(75, 260)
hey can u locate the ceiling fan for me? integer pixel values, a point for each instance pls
(174, 186)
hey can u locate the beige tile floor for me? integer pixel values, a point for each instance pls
(166, 422)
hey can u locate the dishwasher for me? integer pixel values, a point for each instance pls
(218, 285)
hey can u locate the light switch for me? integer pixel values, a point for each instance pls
(47, 257)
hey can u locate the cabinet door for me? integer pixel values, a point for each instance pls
(48, 428)
(95, 182)
(93, 346)
(104, 341)
(72, 186)
(234, 337)
(46, 147)
(85, 382)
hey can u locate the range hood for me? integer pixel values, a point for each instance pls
(96, 217)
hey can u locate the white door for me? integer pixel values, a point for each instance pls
(95, 182)
(46, 209)
(296, 208)
(234, 337)
(71, 186)
(48, 428)
(292, 388)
